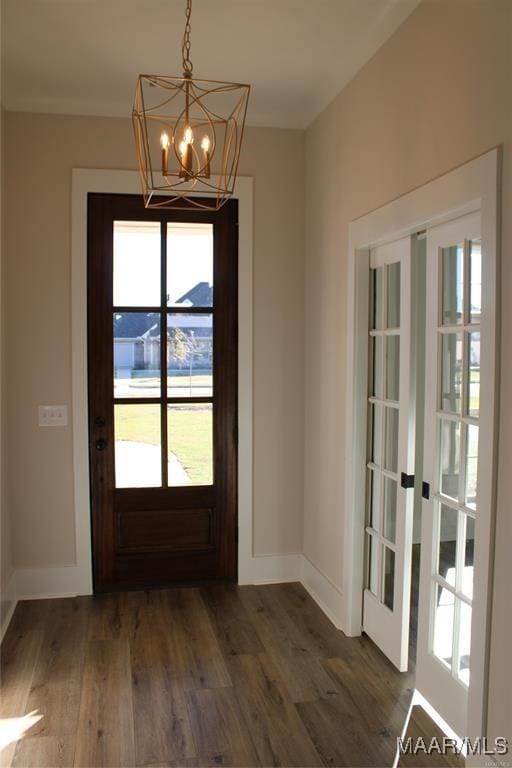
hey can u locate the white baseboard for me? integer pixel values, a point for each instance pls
(9, 600)
(41, 583)
(323, 591)
(270, 569)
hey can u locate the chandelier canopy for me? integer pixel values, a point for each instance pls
(188, 135)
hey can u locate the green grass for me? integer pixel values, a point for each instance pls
(190, 434)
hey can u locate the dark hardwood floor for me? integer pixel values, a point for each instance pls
(217, 676)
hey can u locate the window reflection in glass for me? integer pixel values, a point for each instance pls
(473, 374)
(471, 465)
(448, 521)
(475, 281)
(452, 266)
(392, 367)
(389, 578)
(443, 625)
(450, 458)
(391, 439)
(393, 295)
(451, 372)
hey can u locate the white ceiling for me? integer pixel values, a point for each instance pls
(83, 56)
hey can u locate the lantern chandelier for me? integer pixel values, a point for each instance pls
(188, 135)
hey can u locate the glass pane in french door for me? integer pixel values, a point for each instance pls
(456, 493)
(383, 421)
(163, 392)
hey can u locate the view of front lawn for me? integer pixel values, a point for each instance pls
(189, 429)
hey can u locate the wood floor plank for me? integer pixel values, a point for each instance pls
(116, 615)
(278, 734)
(198, 657)
(381, 706)
(337, 735)
(20, 652)
(161, 720)
(318, 633)
(57, 680)
(219, 729)
(302, 672)
(231, 622)
(105, 726)
(45, 752)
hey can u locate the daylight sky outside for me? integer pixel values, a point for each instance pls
(137, 261)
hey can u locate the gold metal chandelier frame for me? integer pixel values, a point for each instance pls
(188, 178)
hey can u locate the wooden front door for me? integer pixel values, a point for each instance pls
(162, 352)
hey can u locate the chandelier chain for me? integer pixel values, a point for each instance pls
(185, 48)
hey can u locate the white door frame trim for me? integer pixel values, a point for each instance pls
(468, 188)
(79, 576)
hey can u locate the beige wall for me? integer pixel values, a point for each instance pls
(435, 95)
(40, 152)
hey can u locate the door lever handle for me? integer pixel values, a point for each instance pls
(407, 481)
(101, 445)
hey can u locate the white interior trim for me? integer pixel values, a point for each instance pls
(466, 189)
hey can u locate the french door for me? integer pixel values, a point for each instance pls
(390, 456)
(456, 504)
(162, 367)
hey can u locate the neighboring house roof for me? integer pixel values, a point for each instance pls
(132, 325)
(201, 295)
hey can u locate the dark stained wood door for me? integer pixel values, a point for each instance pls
(162, 416)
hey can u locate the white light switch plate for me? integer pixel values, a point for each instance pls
(53, 415)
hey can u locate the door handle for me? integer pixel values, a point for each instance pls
(101, 445)
(99, 421)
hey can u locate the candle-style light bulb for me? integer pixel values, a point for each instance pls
(186, 153)
(164, 143)
(185, 159)
(205, 146)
